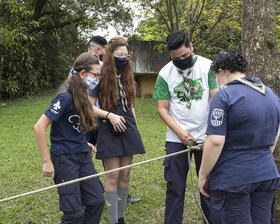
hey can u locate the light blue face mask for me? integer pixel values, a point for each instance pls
(91, 82)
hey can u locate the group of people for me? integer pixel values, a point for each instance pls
(237, 116)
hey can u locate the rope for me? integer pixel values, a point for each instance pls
(190, 168)
(95, 175)
(190, 147)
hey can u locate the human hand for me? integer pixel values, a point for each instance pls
(48, 169)
(184, 136)
(203, 185)
(92, 149)
(118, 122)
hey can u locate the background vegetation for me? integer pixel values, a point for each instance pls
(40, 39)
(20, 168)
(211, 25)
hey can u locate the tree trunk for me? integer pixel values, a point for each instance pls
(260, 48)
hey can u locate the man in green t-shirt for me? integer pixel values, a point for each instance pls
(183, 90)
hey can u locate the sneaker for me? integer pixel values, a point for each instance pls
(131, 199)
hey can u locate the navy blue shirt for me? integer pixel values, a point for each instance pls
(248, 114)
(66, 134)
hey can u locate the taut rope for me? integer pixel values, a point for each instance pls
(190, 148)
(93, 176)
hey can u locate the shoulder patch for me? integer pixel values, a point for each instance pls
(56, 107)
(217, 117)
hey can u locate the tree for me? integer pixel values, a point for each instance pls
(259, 45)
(39, 39)
(210, 24)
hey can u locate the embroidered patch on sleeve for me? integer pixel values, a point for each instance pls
(56, 107)
(217, 117)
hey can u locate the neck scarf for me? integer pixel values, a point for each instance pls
(186, 81)
(122, 93)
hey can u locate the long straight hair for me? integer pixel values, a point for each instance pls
(108, 95)
(76, 86)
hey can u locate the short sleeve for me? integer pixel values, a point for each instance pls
(58, 107)
(212, 80)
(217, 117)
(161, 91)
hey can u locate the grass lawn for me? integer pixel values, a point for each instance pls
(20, 168)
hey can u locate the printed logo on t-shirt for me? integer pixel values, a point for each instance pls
(56, 107)
(75, 120)
(217, 116)
(196, 90)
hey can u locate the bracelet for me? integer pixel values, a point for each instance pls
(107, 115)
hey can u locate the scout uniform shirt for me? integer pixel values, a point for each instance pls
(170, 86)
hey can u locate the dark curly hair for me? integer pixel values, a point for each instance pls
(176, 40)
(230, 60)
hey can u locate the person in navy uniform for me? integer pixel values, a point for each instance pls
(118, 139)
(71, 116)
(237, 170)
(96, 46)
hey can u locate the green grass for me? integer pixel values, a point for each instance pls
(20, 168)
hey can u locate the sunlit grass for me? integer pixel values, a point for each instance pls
(20, 168)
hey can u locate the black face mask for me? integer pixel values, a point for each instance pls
(120, 62)
(184, 63)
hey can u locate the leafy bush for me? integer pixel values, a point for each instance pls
(24, 69)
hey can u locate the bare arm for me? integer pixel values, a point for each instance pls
(211, 152)
(41, 138)
(213, 92)
(133, 112)
(163, 110)
(117, 121)
(276, 140)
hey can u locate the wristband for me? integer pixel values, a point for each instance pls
(107, 115)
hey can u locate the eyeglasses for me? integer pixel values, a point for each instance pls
(96, 75)
(122, 55)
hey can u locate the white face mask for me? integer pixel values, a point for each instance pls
(220, 82)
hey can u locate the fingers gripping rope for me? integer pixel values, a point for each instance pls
(190, 147)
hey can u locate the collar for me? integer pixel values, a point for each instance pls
(253, 82)
(194, 59)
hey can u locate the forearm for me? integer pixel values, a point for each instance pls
(97, 111)
(133, 112)
(100, 113)
(211, 152)
(41, 138)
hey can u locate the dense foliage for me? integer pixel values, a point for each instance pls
(211, 24)
(40, 39)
